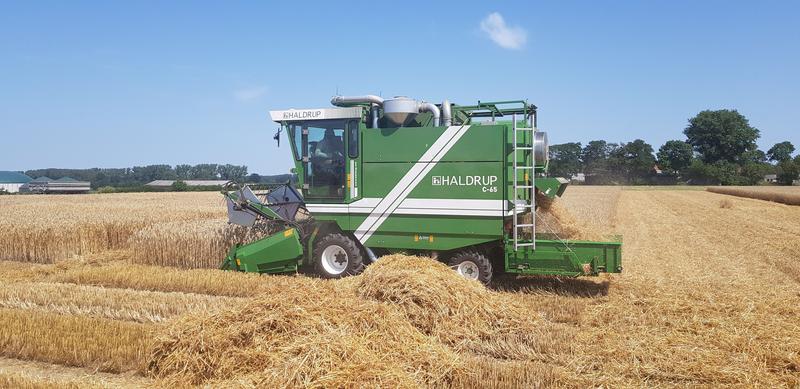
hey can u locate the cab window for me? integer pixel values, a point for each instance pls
(322, 143)
(352, 138)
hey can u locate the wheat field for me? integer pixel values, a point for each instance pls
(789, 195)
(49, 228)
(708, 298)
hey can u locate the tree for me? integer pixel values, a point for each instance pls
(788, 171)
(726, 173)
(232, 172)
(204, 171)
(634, 160)
(149, 173)
(565, 159)
(722, 135)
(179, 186)
(675, 155)
(756, 156)
(595, 151)
(595, 157)
(183, 172)
(781, 152)
(700, 173)
(752, 172)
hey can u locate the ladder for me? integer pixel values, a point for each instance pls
(525, 191)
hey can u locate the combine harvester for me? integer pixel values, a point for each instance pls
(386, 175)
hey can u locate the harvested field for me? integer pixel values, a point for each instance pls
(16, 373)
(406, 322)
(788, 195)
(119, 304)
(462, 315)
(595, 206)
(583, 213)
(161, 279)
(317, 334)
(101, 344)
(708, 298)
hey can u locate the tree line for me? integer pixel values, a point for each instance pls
(719, 149)
(140, 175)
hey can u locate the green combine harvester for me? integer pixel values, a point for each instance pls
(375, 176)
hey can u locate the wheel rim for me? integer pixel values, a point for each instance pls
(468, 269)
(334, 259)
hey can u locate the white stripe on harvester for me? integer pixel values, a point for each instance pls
(418, 206)
(410, 180)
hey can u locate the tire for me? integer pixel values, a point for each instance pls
(472, 265)
(337, 256)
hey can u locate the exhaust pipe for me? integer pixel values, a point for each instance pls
(447, 113)
(373, 114)
(373, 101)
(432, 108)
(348, 101)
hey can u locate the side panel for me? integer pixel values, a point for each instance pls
(446, 180)
(437, 188)
(408, 144)
(455, 200)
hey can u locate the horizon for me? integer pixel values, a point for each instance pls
(95, 85)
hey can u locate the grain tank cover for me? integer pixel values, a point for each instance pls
(400, 111)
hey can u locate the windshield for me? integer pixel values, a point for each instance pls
(322, 142)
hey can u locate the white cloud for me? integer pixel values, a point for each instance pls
(507, 37)
(250, 94)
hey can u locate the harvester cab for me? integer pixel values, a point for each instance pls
(374, 175)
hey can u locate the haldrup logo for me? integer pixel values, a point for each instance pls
(487, 183)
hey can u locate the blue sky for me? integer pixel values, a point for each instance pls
(114, 84)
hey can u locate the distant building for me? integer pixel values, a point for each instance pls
(656, 170)
(12, 181)
(165, 184)
(578, 178)
(771, 178)
(61, 185)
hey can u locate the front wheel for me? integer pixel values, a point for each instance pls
(472, 265)
(337, 256)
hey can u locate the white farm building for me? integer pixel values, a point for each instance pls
(11, 181)
(61, 185)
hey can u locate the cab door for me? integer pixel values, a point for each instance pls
(324, 159)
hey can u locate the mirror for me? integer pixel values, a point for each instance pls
(277, 136)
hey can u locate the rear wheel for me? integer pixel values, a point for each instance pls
(472, 265)
(336, 256)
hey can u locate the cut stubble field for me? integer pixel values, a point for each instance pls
(709, 297)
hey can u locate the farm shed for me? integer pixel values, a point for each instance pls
(61, 185)
(11, 181)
